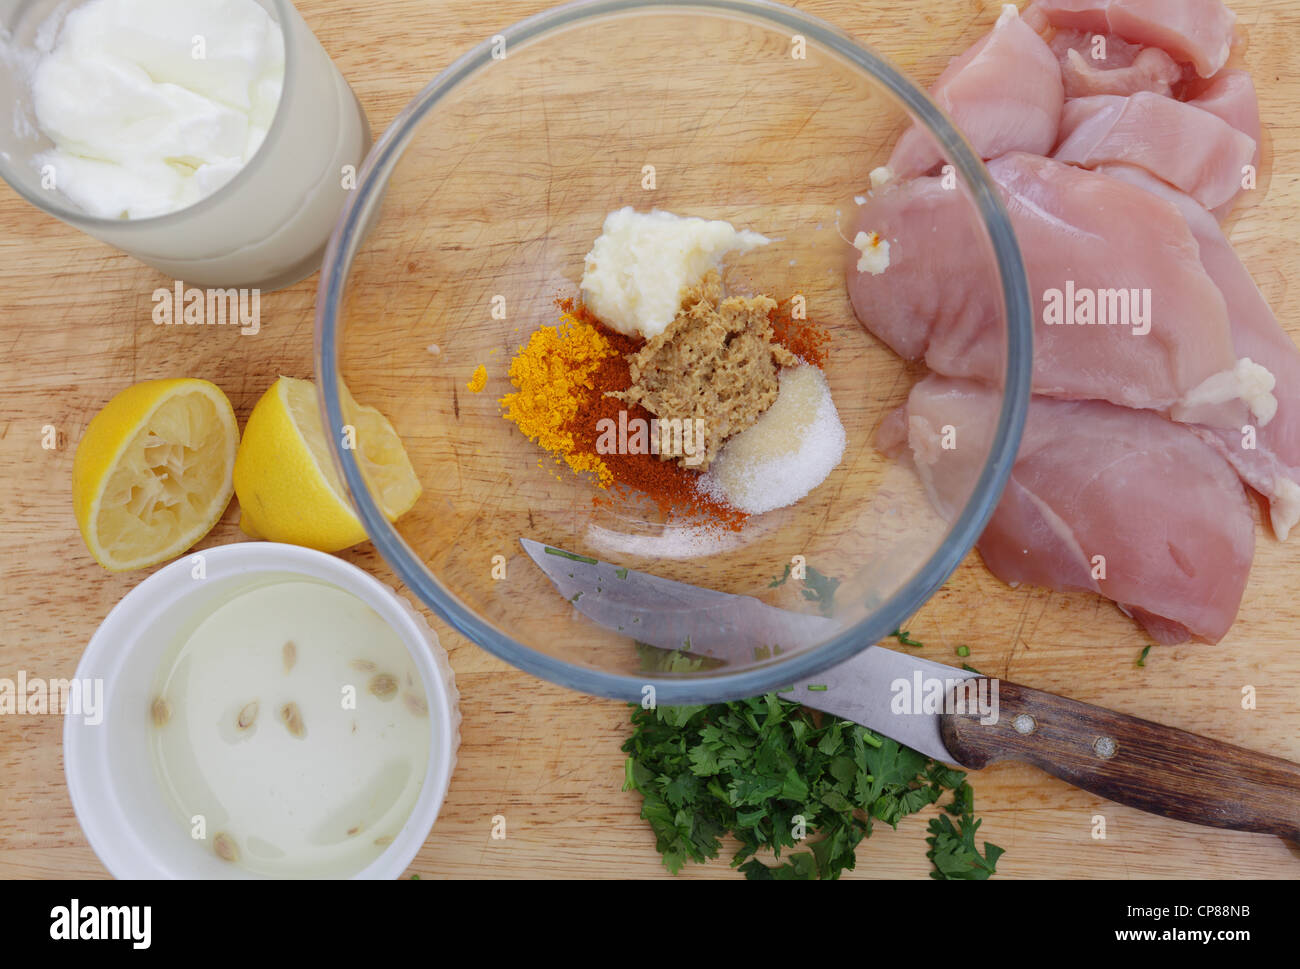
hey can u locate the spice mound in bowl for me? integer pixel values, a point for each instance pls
(657, 384)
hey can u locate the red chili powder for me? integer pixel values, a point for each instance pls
(805, 339)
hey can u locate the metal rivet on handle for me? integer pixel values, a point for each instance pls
(1105, 747)
(1024, 724)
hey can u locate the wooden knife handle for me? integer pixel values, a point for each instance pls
(1131, 761)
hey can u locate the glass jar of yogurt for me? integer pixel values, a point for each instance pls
(214, 140)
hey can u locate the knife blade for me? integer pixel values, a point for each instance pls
(895, 694)
(956, 716)
(675, 615)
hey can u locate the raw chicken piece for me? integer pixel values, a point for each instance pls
(1004, 94)
(1198, 32)
(1118, 52)
(1152, 70)
(1125, 69)
(1230, 95)
(1163, 508)
(1078, 231)
(1272, 466)
(1186, 146)
(1037, 21)
(937, 289)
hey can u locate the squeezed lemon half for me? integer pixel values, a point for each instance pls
(288, 488)
(152, 473)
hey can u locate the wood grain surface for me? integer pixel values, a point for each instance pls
(76, 329)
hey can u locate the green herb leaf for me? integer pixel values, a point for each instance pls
(656, 660)
(820, 589)
(571, 556)
(952, 846)
(1142, 660)
(817, 587)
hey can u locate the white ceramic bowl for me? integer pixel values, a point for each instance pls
(110, 771)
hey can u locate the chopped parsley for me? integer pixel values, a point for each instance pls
(952, 846)
(571, 556)
(804, 786)
(656, 660)
(1142, 660)
(820, 589)
(905, 637)
(817, 587)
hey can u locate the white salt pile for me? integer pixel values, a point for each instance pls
(789, 451)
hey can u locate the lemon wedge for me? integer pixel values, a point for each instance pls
(152, 472)
(288, 488)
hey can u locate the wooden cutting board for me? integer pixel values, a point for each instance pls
(75, 329)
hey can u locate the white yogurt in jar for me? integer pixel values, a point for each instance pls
(153, 105)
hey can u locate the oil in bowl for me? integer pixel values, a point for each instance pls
(290, 730)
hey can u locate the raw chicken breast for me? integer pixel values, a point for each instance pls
(1198, 32)
(1230, 95)
(1186, 146)
(1004, 94)
(1162, 509)
(1125, 69)
(1078, 231)
(1272, 465)
(1117, 51)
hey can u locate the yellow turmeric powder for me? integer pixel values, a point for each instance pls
(550, 373)
(479, 380)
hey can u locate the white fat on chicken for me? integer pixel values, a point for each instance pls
(1248, 382)
(875, 252)
(1284, 508)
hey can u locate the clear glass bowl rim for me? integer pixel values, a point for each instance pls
(962, 534)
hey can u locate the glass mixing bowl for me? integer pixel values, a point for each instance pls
(481, 201)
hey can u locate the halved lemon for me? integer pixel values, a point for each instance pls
(152, 472)
(288, 488)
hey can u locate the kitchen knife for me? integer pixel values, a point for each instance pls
(948, 714)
